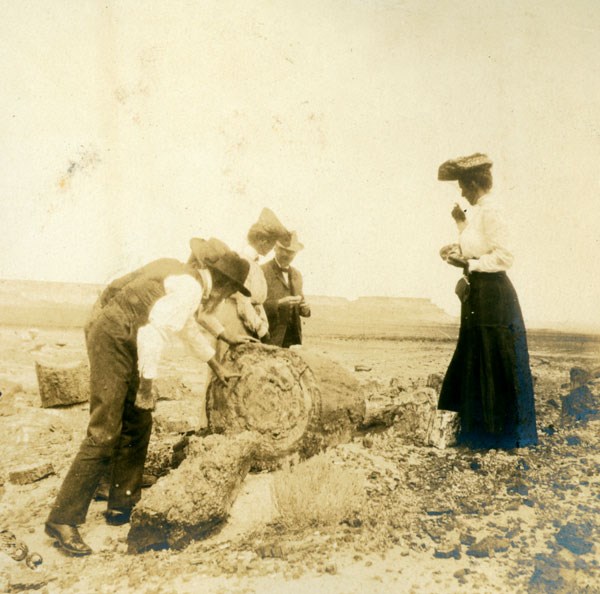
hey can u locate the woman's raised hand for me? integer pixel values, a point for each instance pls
(458, 214)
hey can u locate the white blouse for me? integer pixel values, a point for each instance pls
(255, 281)
(484, 237)
(250, 309)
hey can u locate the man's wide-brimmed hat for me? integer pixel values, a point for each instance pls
(454, 169)
(269, 224)
(292, 244)
(234, 268)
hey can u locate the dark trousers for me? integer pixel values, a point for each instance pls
(118, 433)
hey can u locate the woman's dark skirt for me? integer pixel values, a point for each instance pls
(488, 381)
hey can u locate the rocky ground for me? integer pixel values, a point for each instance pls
(448, 520)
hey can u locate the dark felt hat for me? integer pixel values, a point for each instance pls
(234, 268)
(454, 169)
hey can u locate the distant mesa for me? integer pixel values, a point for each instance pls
(379, 317)
(55, 304)
(46, 304)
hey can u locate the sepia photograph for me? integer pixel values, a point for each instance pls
(300, 296)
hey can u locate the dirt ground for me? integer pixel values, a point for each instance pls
(446, 521)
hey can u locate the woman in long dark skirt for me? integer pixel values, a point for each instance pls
(489, 380)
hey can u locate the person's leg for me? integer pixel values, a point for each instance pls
(130, 455)
(111, 367)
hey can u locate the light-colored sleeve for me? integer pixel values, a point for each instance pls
(210, 322)
(250, 310)
(169, 314)
(498, 258)
(196, 342)
(251, 314)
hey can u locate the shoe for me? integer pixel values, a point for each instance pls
(68, 538)
(116, 517)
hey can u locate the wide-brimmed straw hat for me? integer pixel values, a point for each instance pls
(292, 244)
(454, 169)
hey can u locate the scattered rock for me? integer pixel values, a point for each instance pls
(447, 551)
(487, 546)
(548, 576)
(435, 381)
(171, 388)
(63, 384)
(25, 579)
(271, 550)
(177, 416)
(30, 474)
(577, 538)
(580, 405)
(579, 376)
(367, 441)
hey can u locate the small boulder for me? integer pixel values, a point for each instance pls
(30, 474)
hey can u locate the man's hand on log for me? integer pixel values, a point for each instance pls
(221, 372)
(235, 339)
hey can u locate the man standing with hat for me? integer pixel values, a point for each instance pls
(285, 302)
(135, 316)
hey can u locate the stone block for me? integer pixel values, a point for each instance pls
(30, 474)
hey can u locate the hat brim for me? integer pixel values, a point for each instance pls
(293, 247)
(239, 287)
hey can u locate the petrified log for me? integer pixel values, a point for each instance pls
(298, 402)
(193, 500)
(380, 412)
(30, 474)
(166, 451)
(443, 429)
(342, 399)
(414, 416)
(63, 384)
(410, 412)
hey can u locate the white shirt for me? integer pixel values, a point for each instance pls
(284, 273)
(177, 313)
(484, 237)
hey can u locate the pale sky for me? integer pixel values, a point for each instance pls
(129, 127)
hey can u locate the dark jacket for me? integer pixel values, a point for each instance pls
(285, 326)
